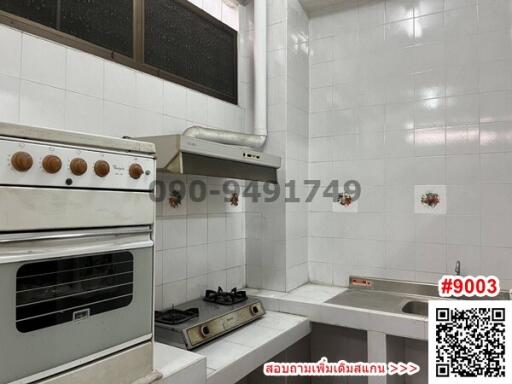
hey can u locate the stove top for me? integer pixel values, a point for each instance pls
(199, 321)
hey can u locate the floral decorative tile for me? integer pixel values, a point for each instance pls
(345, 204)
(430, 199)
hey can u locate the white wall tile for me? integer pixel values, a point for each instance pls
(174, 293)
(461, 21)
(197, 107)
(495, 76)
(230, 15)
(216, 228)
(399, 9)
(235, 253)
(495, 137)
(119, 119)
(10, 41)
(42, 105)
(174, 265)
(174, 232)
(461, 79)
(216, 256)
(173, 125)
(235, 277)
(84, 73)
(43, 61)
(494, 15)
(494, 46)
(425, 7)
(495, 106)
(435, 77)
(120, 84)
(462, 110)
(148, 123)
(149, 92)
(197, 3)
(197, 229)
(213, 7)
(175, 100)
(84, 113)
(196, 287)
(158, 270)
(197, 261)
(399, 33)
(9, 99)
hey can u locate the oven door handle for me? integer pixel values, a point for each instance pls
(38, 246)
(37, 236)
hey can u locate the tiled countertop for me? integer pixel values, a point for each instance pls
(179, 366)
(233, 356)
(309, 301)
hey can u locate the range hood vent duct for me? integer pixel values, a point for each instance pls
(181, 154)
(221, 153)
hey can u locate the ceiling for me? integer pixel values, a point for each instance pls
(315, 5)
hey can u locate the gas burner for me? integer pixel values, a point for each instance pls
(225, 298)
(176, 316)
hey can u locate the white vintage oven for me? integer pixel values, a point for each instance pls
(76, 249)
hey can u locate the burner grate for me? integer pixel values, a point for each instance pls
(176, 316)
(225, 298)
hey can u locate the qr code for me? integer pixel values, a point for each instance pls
(469, 341)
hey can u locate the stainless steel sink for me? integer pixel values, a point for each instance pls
(391, 296)
(394, 302)
(416, 308)
(375, 300)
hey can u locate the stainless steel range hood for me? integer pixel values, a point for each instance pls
(188, 155)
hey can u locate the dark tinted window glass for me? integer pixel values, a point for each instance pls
(187, 44)
(41, 11)
(59, 291)
(108, 24)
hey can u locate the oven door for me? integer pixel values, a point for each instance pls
(68, 298)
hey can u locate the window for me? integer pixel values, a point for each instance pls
(59, 291)
(171, 39)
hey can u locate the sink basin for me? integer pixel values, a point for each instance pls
(381, 301)
(378, 301)
(416, 308)
(394, 296)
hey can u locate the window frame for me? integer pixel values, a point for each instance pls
(137, 62)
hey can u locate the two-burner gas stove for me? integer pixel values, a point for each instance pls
(197, 322)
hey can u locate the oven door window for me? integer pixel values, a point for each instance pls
(60, 291)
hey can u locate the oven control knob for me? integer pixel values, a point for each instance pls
(22, 161)
(255, 309)
(101, 168)
(78, 166)
(205, 331)
(52, 164)
(136, 171)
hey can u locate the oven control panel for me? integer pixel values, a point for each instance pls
(28, 163)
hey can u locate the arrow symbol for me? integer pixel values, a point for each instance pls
(413, 368)
(392, 368)
(403, 368)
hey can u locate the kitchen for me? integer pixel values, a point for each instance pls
(192, 189)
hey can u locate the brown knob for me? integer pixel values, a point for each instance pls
(136, 171)
(52, 164)
(101, 168)
(78, 166)
(22, 161)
